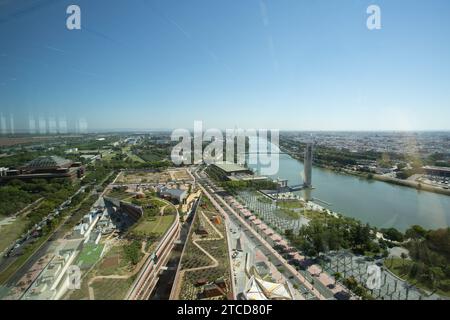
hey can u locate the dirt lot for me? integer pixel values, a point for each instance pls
(143, 177)
(6, 142)
(180, 175)
(110, 262)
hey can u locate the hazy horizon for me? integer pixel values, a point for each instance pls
(291, 65)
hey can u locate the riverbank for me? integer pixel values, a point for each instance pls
(378, 177)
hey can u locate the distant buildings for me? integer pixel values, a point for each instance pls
(45, 167)
(437, 171)
(308, 166)
(71, 150)
(3, 171)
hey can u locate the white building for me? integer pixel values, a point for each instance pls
(3, 171)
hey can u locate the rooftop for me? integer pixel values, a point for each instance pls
(178, 193)
(444, 169)
(48, 162)
(230, 167)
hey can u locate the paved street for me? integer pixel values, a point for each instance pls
(288, 271)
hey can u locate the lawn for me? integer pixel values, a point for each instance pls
(108, 156)
(89, 255)
(113, 262)
(157, 225)
(11, 232)
(132, 156)
(119, 194)
(290, 204)
(111, 289)
(152, 155)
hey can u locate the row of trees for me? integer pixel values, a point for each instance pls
(17, 194)
(331, 233)
(430, 254)
(234, 186)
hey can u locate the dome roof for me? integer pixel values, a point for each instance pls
(48, 162)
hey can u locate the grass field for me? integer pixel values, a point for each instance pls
(10, 232)
(290, 204)
(113, 263)
(111, 289)
(157, 225)
(119, 194)
(89, 255)
(107, 156)
(132, 156)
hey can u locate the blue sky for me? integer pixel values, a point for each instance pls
(286, 64)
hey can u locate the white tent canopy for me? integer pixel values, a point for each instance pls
(259, 289)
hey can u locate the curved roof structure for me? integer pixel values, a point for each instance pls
(44, 162)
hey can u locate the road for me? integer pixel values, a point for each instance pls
(288, 271)
(5, 262)
(50, 242)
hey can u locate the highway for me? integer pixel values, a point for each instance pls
(47, 245)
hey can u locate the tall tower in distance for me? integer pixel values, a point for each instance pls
(307, 183)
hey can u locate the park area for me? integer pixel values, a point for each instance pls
(279, 215)
(205, 261)
(154, 226)
(89, 255)
(401, 267)
(158, 217)
(108, 278)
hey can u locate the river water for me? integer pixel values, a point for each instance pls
(379, 203)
